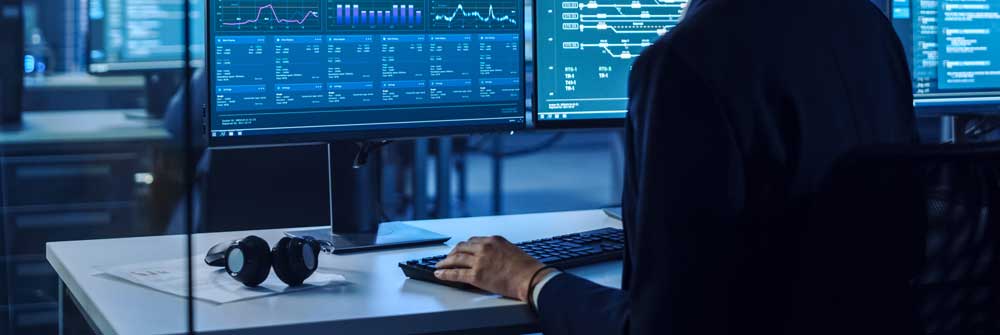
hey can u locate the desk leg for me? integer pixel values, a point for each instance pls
(420, 179)
(442, 191)
(62, 302)
(497, 155)
(72, 321)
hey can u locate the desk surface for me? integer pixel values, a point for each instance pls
(83, 126)
(378, 296)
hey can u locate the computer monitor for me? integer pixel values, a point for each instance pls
(584, 52)
(142, 35)
(11, 70)
(954, 51)
(344, 71)
(295, 70)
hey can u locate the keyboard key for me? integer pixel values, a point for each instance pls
(550, 259)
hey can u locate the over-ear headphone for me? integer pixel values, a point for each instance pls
(249, 260)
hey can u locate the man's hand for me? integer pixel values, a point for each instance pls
(492, 264)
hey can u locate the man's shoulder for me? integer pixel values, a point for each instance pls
(696, 32)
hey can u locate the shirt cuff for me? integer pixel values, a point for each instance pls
(538, 288)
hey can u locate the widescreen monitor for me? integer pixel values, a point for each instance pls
(584, 52)
(142, 35)
(585, 49)
(953, 47)
(294, 70)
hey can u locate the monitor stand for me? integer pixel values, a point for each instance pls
(614, 213)
(356, 214)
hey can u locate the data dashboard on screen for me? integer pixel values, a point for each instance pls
(954, 51)
(284, 67)
(142, 35)
(585, 50)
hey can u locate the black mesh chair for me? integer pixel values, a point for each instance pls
(904, 240)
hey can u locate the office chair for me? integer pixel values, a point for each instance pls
(904, 240)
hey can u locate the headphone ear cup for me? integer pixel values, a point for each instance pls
(289, 262)
(248, 261)
(312, 254)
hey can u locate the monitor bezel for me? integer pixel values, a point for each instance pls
(537, 103)
(984, 109)
(354, 135)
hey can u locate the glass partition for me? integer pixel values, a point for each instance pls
(110, 199)
(93, 176)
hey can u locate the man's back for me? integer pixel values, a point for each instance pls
(735, 118)
(800, 81)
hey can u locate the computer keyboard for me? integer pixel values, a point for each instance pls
(563, 252)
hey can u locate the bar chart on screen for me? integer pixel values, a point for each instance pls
(268, 15)
(375, 14)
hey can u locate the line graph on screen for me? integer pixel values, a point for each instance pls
(474, 14)
(268, 15)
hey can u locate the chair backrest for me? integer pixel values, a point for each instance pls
(904, 240)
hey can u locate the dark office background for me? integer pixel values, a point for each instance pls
(86, 163)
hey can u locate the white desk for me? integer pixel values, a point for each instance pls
(379, 299)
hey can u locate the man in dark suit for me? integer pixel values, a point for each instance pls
(735, 118)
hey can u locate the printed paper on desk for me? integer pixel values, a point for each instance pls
(210, 283)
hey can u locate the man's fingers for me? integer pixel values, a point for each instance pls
(467, 247)
(482, 240)
(486, 239)
(459, 275)
(457, 260)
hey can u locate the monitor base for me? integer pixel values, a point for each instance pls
(390, 235)
(614, 213)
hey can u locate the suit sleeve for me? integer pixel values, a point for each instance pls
(682, 182)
